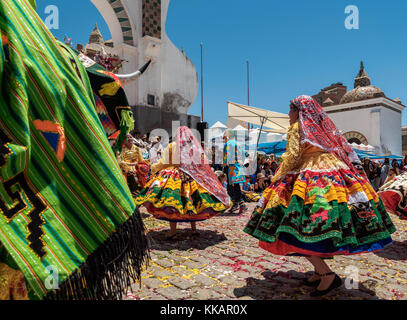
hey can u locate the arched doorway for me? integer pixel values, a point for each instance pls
(355, 137)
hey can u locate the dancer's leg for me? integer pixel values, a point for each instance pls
(321, 267)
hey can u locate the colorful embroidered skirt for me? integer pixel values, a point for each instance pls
(173, 196)
(394, 196)
(323, 209)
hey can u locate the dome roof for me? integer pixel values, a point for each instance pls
(362, 93)
(363, 90)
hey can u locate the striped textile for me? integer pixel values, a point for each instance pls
(64, 204)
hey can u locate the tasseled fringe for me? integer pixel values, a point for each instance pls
(110, 270)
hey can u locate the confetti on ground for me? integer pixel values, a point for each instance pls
(225, 263)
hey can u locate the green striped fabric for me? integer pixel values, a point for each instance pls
(64, 204)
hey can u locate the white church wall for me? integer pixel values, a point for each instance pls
(380, 125)
(353, 120)
(374, 139)
(390, 125)
(151, 83)
(179, 77)
(179, 81)
(131, 54)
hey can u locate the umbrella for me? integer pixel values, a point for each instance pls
(277, 121)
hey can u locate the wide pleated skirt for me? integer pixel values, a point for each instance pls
(322, 209)
(172, 195)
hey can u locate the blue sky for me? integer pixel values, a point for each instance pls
(294, 47)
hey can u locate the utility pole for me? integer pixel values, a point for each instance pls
(202, 119)
(248, 89)
(202, 126)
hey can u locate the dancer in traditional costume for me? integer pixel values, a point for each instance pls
(69, 228)
(183, 187)
(135, 168)
(318, 205)
(394, 195)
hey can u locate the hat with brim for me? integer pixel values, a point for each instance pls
(218, 173)
(260, 175)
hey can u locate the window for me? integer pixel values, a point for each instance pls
(151, 100)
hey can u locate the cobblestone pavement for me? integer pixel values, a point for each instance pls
(225, 263)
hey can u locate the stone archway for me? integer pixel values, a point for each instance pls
(354, 136)
(115, 14)
(138, 33)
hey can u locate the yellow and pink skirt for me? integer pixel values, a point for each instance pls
(174, 196)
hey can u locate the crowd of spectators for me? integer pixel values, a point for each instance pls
(255, 181)
(381, 173)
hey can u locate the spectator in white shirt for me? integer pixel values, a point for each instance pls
(155, 150)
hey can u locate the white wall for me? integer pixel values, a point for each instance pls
(374, 138)
(131, 55)
(179, 76)
(391, 130)
(380, 125)
(353, 120)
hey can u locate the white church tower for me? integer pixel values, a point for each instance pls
(170, 85)
(365, 114)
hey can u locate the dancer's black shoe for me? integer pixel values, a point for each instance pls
(336, 283)
(314, 283)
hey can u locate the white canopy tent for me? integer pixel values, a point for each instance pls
(276, 121)
(254, 136)
(363, 147)
(218, 125)
(216, 130)
(239, 128)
